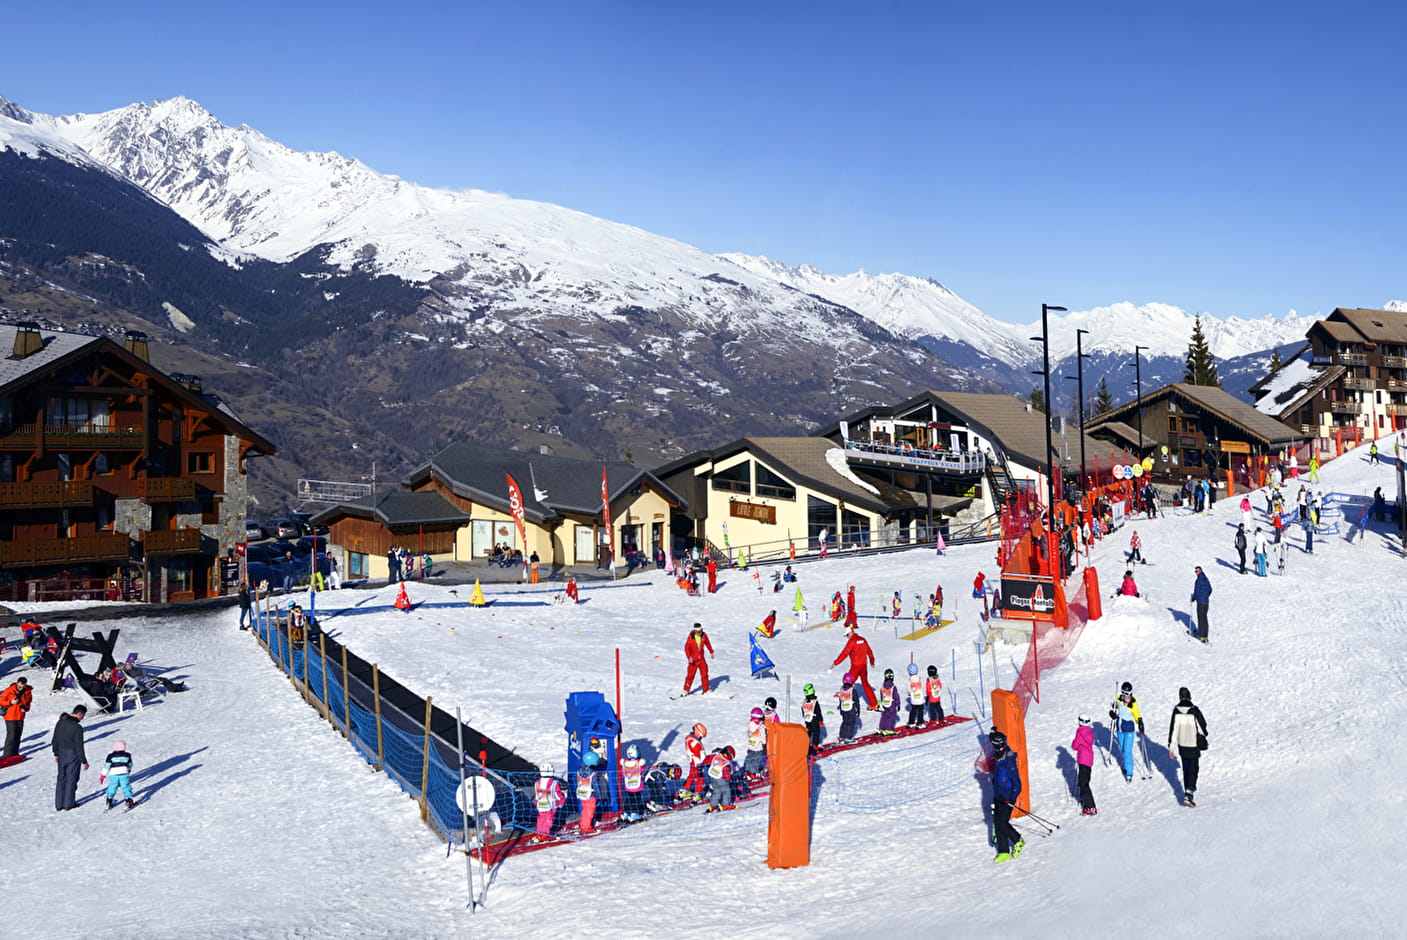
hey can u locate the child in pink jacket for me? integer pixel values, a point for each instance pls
(1083, 746)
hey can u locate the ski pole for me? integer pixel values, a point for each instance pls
(1038, 820)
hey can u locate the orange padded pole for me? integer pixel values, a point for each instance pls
(789, 811)
(1008, 718)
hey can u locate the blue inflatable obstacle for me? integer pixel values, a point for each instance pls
(591, 725)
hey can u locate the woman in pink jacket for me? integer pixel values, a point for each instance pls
(1083, 746)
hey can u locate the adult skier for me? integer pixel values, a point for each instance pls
(1201, 596)
(1241, 544)
(1262, 549)
(1127, 721)
(1006, 787)
(16, 701)
(1187, 737)
(694, 649)
(857, 650)
(712, 569)
(1083, 746)
(851, 617)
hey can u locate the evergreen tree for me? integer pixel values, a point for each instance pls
(1103, 401)
(1201, 364)
(1036, 399)
(1275, 360)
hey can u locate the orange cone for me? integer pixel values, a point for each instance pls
(402, 602)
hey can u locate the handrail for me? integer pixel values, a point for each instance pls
(968, 461)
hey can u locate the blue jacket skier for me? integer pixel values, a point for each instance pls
(1006, 787)
(1124, 714)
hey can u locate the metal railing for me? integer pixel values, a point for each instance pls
(954, 461)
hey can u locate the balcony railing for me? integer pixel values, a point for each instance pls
(1361, 385)
(969, 462)
(74, 437)
(62, 495)
(84, 548)
(165, 489)
(1395, 362)
(171, 542)
(1397, 409)
(1351, 359)
(1345, 407)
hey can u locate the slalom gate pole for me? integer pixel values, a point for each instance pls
(463, 811)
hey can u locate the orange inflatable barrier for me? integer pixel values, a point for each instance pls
(789, 806)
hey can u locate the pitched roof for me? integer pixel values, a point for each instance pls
(1019, 431)
(1224, 405)
(57, 346)
(1119, 429)
(1376, 326)
(1340, 331)
(551, 485)
(398, 508)
(1288, 387)
(810, 460)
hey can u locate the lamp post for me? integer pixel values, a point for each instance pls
(1044, 339)
(1138, 392)
(1080, 357)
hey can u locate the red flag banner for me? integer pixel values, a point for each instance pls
(606, 513)
(515, 509)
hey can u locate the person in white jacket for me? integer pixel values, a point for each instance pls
(1262, 549)
(1187, 734)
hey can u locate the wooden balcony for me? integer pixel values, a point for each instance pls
(1360, 385)
(1397, 409)
(171, 542)
(73, 437)
(1394, 362)
(64, 495)
(165, 489)
(1351, 359)
(1345, 407)
(85, 548)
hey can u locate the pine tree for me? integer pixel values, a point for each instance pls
(1036, 399)
(1103, 401)
(1201, 364)
(1275, 360)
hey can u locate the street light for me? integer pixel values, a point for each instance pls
(1044, 339)
(1138, 392)
(1080, 357)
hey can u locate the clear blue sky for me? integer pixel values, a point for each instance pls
(1232, 157)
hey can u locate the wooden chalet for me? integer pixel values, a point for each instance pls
(114, 476)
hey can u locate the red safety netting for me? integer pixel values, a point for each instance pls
(1050, 646)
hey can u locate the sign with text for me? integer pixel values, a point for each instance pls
(1028, 597)
(756, 511)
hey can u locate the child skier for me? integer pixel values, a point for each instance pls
(549, 797)
(1124, 713)
(917, 697)
(849, 710)
(811, 715)
(117, 771)
(720, 775)
(756, 760)
(693, 744)
(888, 704)
(933, 690)
(1083, 746)
(1128, 588)
(661, 777)
(769, 710)
(1135, 556)
(590, 783)
(632, 780)
(1006, 787)
(898, 607)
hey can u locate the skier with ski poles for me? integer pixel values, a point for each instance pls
(1127, 720)
(1006, 787)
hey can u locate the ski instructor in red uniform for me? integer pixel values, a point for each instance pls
(857, 648)
(694, 648)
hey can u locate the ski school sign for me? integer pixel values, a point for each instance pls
(1028, 597)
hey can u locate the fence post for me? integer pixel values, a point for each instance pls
(425, 764)
(346, 699)
(322, 655)
(376, 695)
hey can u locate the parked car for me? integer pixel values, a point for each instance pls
(253, 531)
(303, 520)
(284, 546)
(309, 543)
(285, 529)
(259, 572)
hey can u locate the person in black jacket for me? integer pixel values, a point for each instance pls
(1187, 736)
(69, 755)
(244, 604)
(1241, 544)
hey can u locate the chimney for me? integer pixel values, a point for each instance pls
(27, 339)
(193, 383)
(135, 342)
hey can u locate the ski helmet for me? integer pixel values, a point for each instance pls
(1084, 719)
(997, 740)
(728, 752)
(913, 669)
(888, 675)
(808, 689)
(591, 759)
(933, 671)
(848, 679)
(1126, 688)
(757, 714)
(699, 730)
(770, 702)
(632, 751)
(546, 770)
